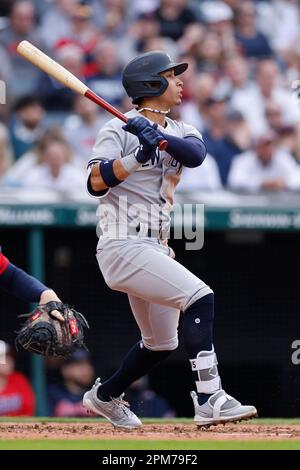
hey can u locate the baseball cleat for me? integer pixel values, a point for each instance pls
(116, 410)
(221, 408)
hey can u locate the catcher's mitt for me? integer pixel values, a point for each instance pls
(52, 329)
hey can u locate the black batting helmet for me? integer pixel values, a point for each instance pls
(141, 77)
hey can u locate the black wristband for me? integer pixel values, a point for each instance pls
(108, 174)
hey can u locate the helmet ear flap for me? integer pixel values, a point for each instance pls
(139, 89)
(159, 85)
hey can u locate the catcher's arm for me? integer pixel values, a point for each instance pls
(20, 284)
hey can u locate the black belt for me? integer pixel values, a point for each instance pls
(154, 233)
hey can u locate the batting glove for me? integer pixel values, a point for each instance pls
(136, 125)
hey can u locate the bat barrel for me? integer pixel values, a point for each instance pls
(57, 71)
(48, 65)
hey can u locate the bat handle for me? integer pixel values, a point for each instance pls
(163, 144)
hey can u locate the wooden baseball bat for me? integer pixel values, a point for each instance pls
(57, 71)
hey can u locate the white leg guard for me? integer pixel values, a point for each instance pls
(205, 365)
(220, 407)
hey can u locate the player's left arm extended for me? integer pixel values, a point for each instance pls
(20, 284)
(189, 151)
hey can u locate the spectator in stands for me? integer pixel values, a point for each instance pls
(112, 16)
(81, 127)
(273, 114)
(253, 99)
(219, 136)
(264, 168)
(5, 7)
(143, 28)
(237, 76)
(228, 42)
(238, 131)
(42, 7)
(83, 31)
(188, 43)
(160, 43)
(270, 87)
(242, 89)
(210, 54)
(146, 403)
(194, 111)
(56, 172)
(240, 86)
(56, 97)
(206, 177)
(280, 21)
(77, 372)
(173, 17)
(16, 394)
(106, 82)
(27, 124)
(56, 22)
(144, 6)
(288, 140)
(252, 43)
(5, 151)
(22, 25)
(218, 17)
(32, 158)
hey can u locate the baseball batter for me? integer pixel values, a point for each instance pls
(135, 182)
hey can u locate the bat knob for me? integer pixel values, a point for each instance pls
(163, 144)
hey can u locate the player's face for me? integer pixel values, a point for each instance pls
(173, 94)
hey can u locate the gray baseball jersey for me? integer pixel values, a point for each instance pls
(158, 287)
(146, 196)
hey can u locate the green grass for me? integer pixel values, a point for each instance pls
(148, 445)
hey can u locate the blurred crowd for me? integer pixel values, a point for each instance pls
(67, 381)
(244, 59)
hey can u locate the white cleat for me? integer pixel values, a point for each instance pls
(116, 411)
(221, 408)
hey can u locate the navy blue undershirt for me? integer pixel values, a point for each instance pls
(20, 284)
(190, 151)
